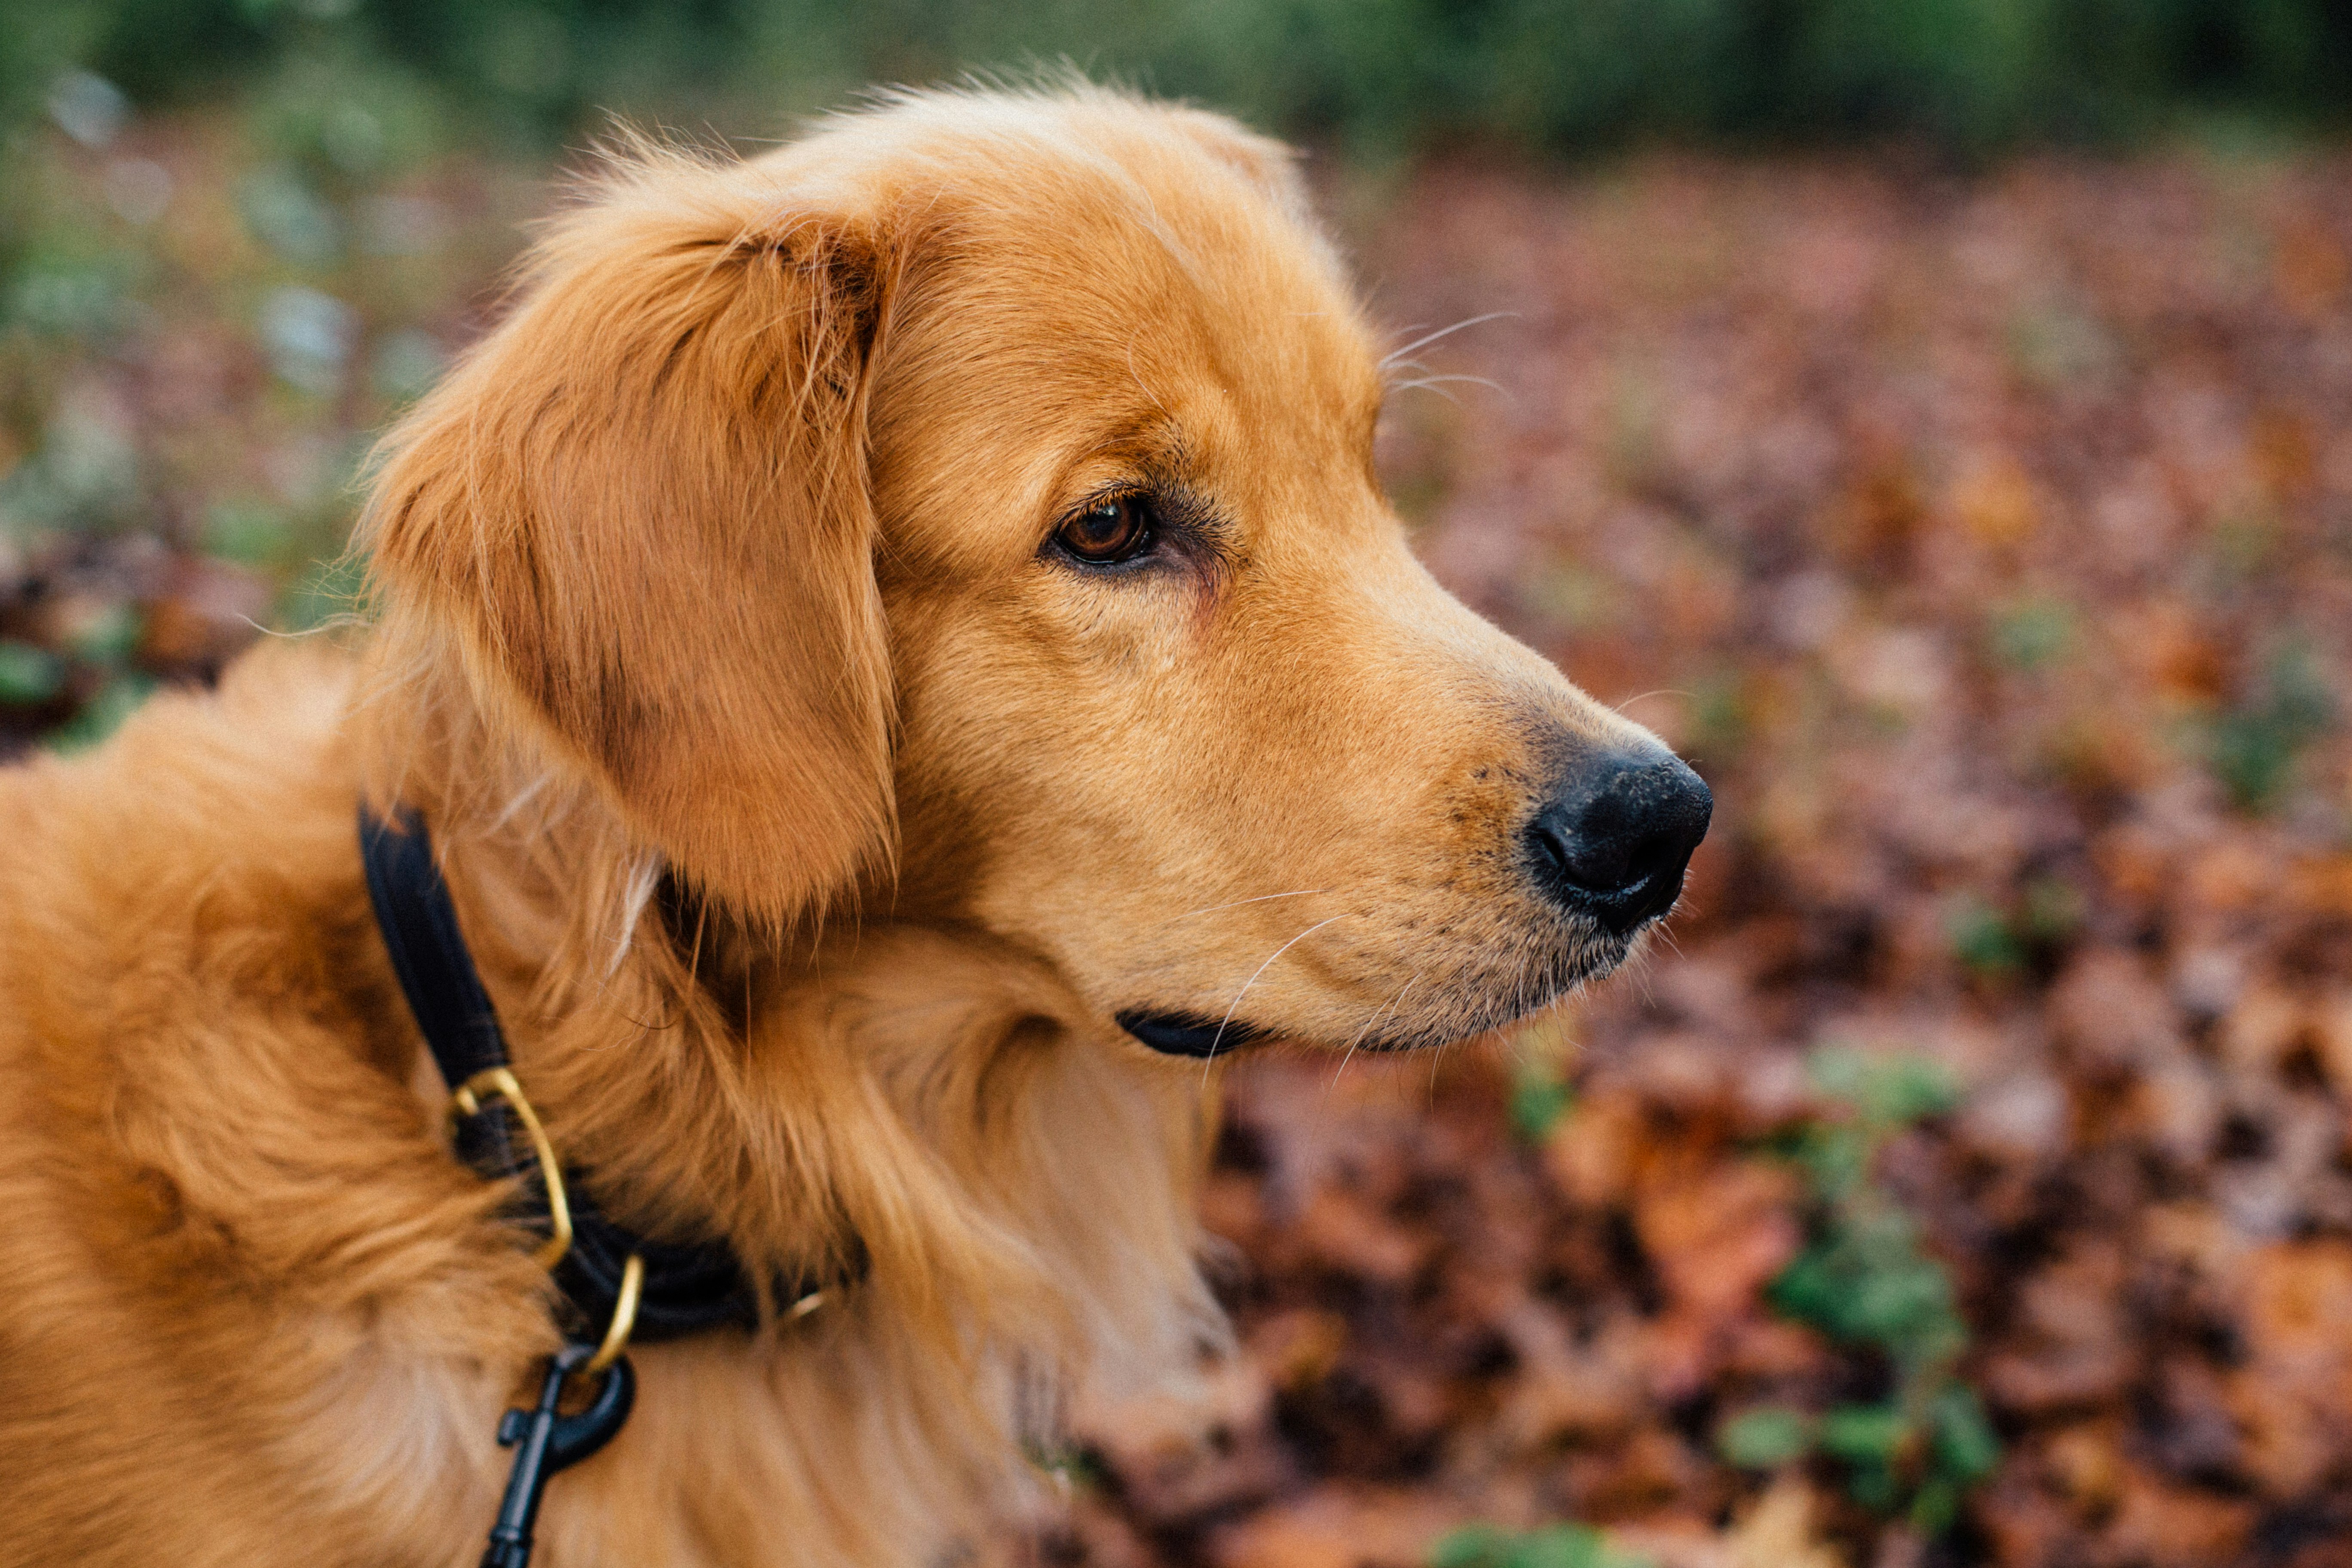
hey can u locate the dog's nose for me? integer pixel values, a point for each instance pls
(1614, 839)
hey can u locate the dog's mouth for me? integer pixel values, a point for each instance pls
(1187, 1034)
(1487, 1007)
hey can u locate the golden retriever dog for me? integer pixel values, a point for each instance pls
(902, 657)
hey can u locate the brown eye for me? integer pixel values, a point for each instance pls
(1109, 531)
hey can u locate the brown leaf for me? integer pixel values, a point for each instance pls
(2293, 1396)
(1193, 1447)
(2108, 1007)
(2073, 1347)
(1338, 1526)
(1593, 1153)
(1564, 1391)
(1777, 1531)
(2163, 1526)
(1297, 1348)
(1346, 1231)
(1717, 1235)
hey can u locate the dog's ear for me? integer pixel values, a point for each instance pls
(642, 504)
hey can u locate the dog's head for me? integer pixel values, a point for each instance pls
(968, 514)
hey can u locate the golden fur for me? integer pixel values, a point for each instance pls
(809, 822)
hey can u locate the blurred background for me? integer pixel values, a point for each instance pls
(1933, 417)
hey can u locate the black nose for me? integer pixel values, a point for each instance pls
(1614, 840)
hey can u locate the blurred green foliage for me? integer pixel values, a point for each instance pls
(1864, 1280)
(2254, 745)
(1540, 1096)
(1996, 944)
(1538, 1099)
(1379, 76)
(1553, 1546)
(29, 675)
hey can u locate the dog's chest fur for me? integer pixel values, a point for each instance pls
(259, 1314)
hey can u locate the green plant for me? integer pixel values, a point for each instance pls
(1540, 1096)
(1982, 938)
(2031, 634)
(2253, 746)
(1995, 942)
(29, 674)
(1864, 1280)
(1553, 1546)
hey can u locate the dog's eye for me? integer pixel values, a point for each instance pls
(1109, 531)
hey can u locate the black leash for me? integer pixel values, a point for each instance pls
(615, 1283)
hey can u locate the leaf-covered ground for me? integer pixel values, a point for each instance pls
(1966, 1180)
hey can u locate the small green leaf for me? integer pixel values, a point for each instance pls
(1865, 1434)
(1553, 1546)
(1864, 1278)
(1766, 1437)
(1873, 1486)
(1981, 937)
(1884, 1091)
(110, 635)
(1937, 1507)
(2255, 747)
(29, 675)
(1537, 1102)
(1906, 1089)
(2029, 634)
(1965, 1445)
(1472, 1546)
(1835, 1156)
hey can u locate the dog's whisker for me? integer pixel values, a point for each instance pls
(1218, 1038)
(1438, 383)
(1237, 903)
(341, 621)
(1428, 338)
(1623, 703)
(1393, 1000)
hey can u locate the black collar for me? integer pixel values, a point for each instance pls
(687, 1288)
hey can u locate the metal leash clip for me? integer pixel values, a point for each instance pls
(546, 1441)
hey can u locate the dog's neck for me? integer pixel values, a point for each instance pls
(929, 1097)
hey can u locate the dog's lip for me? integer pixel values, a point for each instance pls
(1180, 1034)
(1188, 1034)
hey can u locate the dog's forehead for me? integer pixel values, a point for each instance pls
(1095, 289)
(1101, 236)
